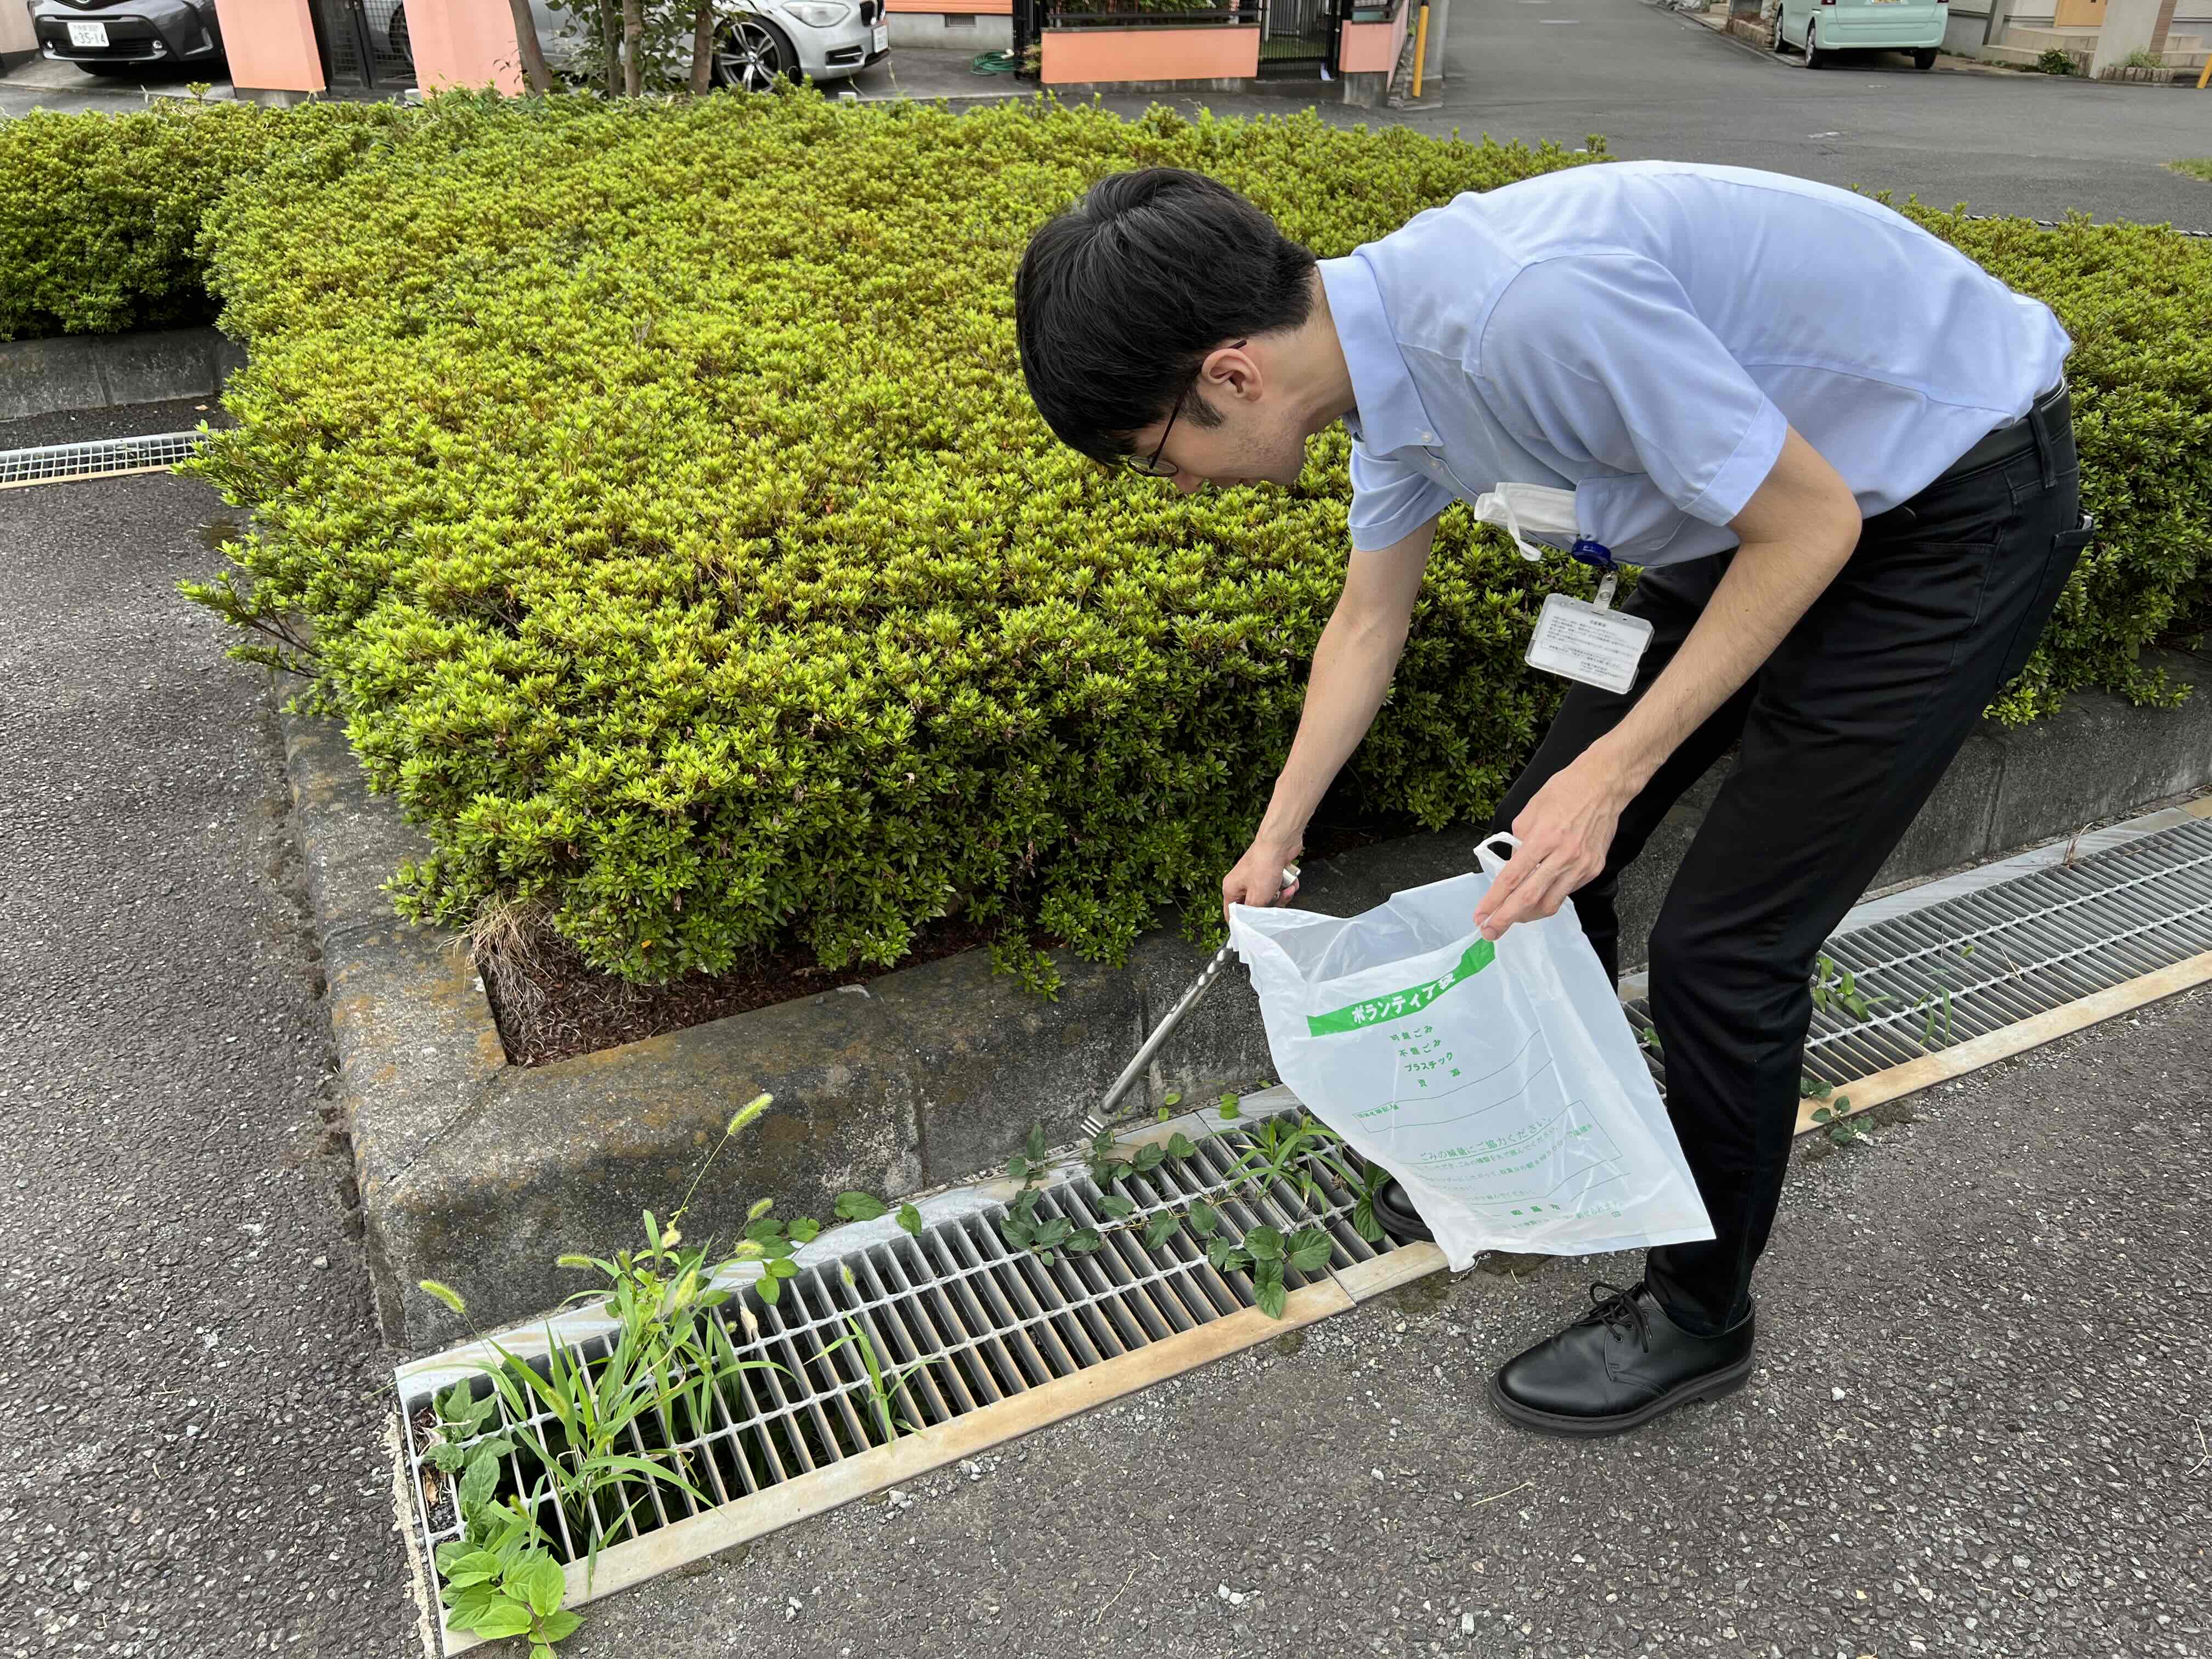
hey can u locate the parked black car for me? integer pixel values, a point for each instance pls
(123, 37)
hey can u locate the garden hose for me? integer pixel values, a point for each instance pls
(992, 62)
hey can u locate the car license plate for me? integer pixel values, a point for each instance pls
(88, 34)
(883, 37)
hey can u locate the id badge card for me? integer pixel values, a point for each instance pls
(1589, 642)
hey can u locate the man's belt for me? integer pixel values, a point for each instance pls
(2014, 438)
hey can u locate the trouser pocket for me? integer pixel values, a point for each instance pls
(2066, 548)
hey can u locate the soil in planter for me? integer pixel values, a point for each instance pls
(555, 1007)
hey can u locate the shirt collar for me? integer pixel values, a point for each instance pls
(1388, 414)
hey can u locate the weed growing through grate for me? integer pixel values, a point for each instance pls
(883, 1385)
(595, 1431)
(1280, 1158)
(506, 1583)
(599, 1430)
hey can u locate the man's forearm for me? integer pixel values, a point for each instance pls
(1351, 668)
(1767, 589)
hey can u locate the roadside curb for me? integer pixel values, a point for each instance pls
(478, 1173)
(66, 372)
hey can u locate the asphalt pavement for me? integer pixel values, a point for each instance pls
(190, 1398)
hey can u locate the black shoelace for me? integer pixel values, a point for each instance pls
(1619, 1309)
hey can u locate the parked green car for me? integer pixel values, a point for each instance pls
(1821, 29)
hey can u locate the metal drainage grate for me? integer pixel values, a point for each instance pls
(991, 1325)
(97, 458)
(2037, 942)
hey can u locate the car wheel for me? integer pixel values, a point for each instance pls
(1814, 58)
(1778, 43)
(752, 55)
(1924, 59)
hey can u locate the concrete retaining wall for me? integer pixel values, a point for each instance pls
(95, 371)
(479, 1173)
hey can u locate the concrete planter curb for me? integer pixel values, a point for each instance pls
(479, 1173)
(99, 371)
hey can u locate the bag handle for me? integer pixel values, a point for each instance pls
(1491, 863)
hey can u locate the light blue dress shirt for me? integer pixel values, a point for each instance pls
(1640, 331)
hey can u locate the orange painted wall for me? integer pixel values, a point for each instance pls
(15, 28)
(271, 45)
(1149, 54)
(464, 43)
(1372, 48)
(978, 8)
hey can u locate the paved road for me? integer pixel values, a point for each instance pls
(1656, 84)
(189, 1402)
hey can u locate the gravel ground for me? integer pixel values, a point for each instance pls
(191, 1403)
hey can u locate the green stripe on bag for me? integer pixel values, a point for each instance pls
(1480, 955)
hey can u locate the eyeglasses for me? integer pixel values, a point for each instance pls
(1151, 466)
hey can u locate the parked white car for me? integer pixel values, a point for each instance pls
(1822, 28)
(757, 44)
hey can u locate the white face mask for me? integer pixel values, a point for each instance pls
(1536, 509)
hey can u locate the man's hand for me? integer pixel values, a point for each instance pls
(1565, 831)
(1258, 877)
(1794, 535)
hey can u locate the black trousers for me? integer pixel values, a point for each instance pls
(1845, 731)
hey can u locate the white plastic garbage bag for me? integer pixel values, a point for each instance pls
(1498, 1082)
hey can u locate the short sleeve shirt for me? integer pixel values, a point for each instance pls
(1644, 333)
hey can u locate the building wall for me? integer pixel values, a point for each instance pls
(464, 43)
(1149, 54)
(16, 40)
(271, 45)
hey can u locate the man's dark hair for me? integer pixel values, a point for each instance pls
(1120, 298)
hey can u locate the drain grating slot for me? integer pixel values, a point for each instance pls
(2007, 953)
(981, 1325)
(97, 458)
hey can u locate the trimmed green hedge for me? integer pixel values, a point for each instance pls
(681, 548)
(100, 215)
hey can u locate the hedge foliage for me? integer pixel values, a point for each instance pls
(681, 548)
(100, 215)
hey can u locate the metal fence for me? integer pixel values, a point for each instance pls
(364, 43)
(1144, 14)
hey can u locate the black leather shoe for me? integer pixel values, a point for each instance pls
(1619, 1366)
(1396, 1210)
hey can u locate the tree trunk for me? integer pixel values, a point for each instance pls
(633, 46)
(535, 74)
(703, 49)
(611, 47)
